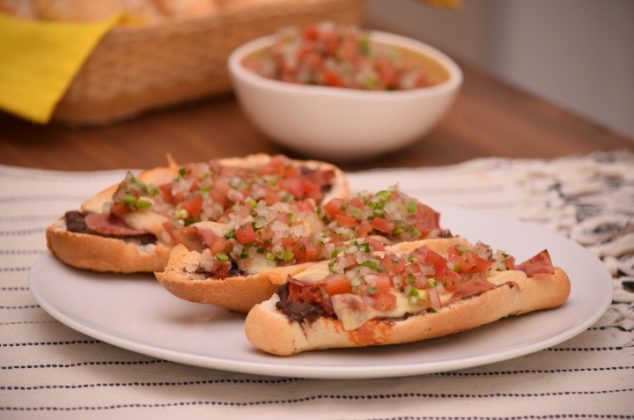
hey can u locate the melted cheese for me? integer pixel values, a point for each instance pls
(218, 229)
(353, 311)
(146, 220)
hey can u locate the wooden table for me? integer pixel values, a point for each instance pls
(489, 118)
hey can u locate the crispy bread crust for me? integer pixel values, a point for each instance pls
(271, 331)
(98, 253)
(238, 293)
(243, 292)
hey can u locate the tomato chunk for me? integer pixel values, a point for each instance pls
(245, 234)
(337, 284)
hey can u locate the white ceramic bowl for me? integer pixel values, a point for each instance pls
(338, 123)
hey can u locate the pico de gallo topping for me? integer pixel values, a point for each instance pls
(207, 191)
(131, 195)
(258, 236)
(389, 213)
(337, 56)
(362, 284)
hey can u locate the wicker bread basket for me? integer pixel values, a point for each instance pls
(137, 69)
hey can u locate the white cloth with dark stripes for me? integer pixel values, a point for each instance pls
(48, 370)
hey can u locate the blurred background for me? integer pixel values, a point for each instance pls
(576, 53)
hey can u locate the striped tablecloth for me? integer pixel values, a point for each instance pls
(48, 370)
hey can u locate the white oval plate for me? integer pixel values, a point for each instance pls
(134, 312)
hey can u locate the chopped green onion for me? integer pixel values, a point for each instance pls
(461, 250)
(245, 252)
(384, 195)
(222, 257)
(398, 231)
(364, 46)
(269, 256)
(457, 266)
(414, 232)
(411, 207)
(251, 203)
(129, 200)
(230, 234)
(371, 264)
(182, 171)
(142, 203)
(432, 282)
(362, 246)
(331, 267)
(181, 214)
(335, 252)
(154, 191)
(287, 197)
(371, 290)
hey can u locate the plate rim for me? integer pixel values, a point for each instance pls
(111, 336)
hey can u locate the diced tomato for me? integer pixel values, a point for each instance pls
(218, 193)
(313, 60)
(311, 32)
(481, 265)
(337, 284)
(193, 206)
(221, 270)
(313, 251)
(382, 225)
(293, 186)
(383, 282)
(384, 301)
(166, 192)
(271, 197)
(451, 280)
(215, 243)
(364, 229)
(393, 264)
(119, 209)
(356, 202)
(245, 234)
(288, 242)
(305, 205)
(346, 221)
(330, 78)
(387, 73)
(375, 244)
(264, 236)
(333, 207)
(435, 259)
(422, 80)
(311, 190)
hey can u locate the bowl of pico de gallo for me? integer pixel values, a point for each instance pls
(342, 93)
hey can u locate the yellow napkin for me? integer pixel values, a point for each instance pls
(38, 61)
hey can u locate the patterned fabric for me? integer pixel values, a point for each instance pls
(48, 370)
